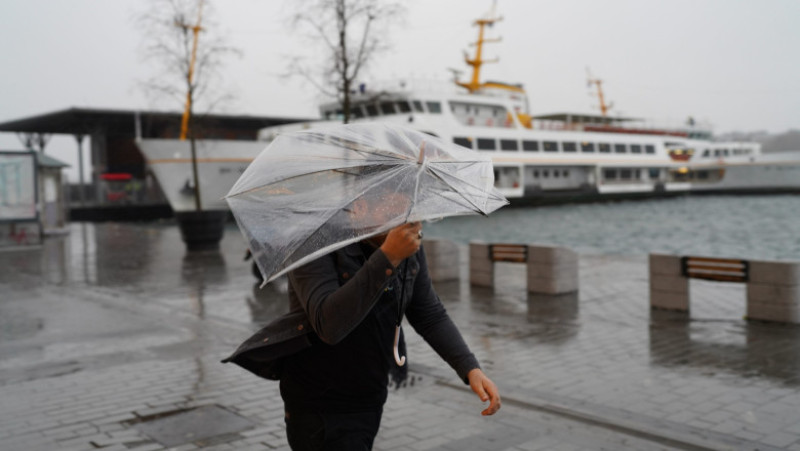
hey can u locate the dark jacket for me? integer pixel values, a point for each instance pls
(343, 282)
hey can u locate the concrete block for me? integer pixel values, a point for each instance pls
(443, 259)
(538, 270)
(479, 250)
(773, 294)
(669, 301)
(775, 273)
(441, 250)
(669, 284)
(547, 255)
(669, 265)
(772, 312)
(481, 265)
(552, 286)
(481, 279)
(444, 273)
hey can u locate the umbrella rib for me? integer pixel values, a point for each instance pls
(304, 174)
(455, 189)
(333, 211)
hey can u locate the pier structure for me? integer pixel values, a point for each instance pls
(112, 335)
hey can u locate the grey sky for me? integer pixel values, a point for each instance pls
(730, 62)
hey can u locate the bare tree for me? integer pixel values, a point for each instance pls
(351, 33)
(180, 37)
(168, 28)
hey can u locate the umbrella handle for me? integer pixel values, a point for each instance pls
(399, 360)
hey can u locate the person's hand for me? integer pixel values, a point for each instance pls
(485, 389)
(401, 242)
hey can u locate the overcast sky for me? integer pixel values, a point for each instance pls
(732, 63)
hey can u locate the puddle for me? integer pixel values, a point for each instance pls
(200, 424)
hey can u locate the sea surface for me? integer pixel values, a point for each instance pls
(761, 227)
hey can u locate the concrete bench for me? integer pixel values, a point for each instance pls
(773, 288)
(550, 270)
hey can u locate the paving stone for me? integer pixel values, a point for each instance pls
(604, 354)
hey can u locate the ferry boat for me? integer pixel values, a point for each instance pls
(543, 158)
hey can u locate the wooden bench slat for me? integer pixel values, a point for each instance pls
(715, 260)
(719, 269)
(720, 277)
(739, 268)
(515, 253)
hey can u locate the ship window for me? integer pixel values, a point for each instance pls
(707, 152)
(637, 174)
(610, 174)
(587, 147)
(604, 147)
(555, 173)
(620, 148)
(417, 106)
(372, 110)
(625, 174)
(536, 174)
(716, 152)
(566, 173)
(550, 146)
(487, 144)
(387, 108)
(725, 152)
(509, 144)
(569, 147)
(530, 146)
(636, 148)
(461, 141)
(434, 107)
(702, 175)
(545, 173)
(649, 148)
(403, 106)
(654, 173)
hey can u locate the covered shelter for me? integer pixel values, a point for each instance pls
(114, 155)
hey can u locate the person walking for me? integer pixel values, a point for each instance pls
(334, 390)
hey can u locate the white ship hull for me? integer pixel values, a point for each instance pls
(521, 176)
(219, 165)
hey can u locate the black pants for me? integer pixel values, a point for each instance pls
(332, 431)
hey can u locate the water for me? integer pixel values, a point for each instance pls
(749, 227)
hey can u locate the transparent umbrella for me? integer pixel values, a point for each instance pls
(312, 192)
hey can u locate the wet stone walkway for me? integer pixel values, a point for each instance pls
(110, 338)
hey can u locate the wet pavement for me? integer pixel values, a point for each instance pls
(111, 336)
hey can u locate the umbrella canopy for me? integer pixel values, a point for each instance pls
(312, 192)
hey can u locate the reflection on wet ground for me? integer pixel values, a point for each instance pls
(749, 349)
(601, 348)
(269, 302)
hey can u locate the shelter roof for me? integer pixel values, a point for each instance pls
(49, 162)
(81, 121)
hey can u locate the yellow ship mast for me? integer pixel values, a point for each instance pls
(475, 85)
(599, 83)
(476, 62)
